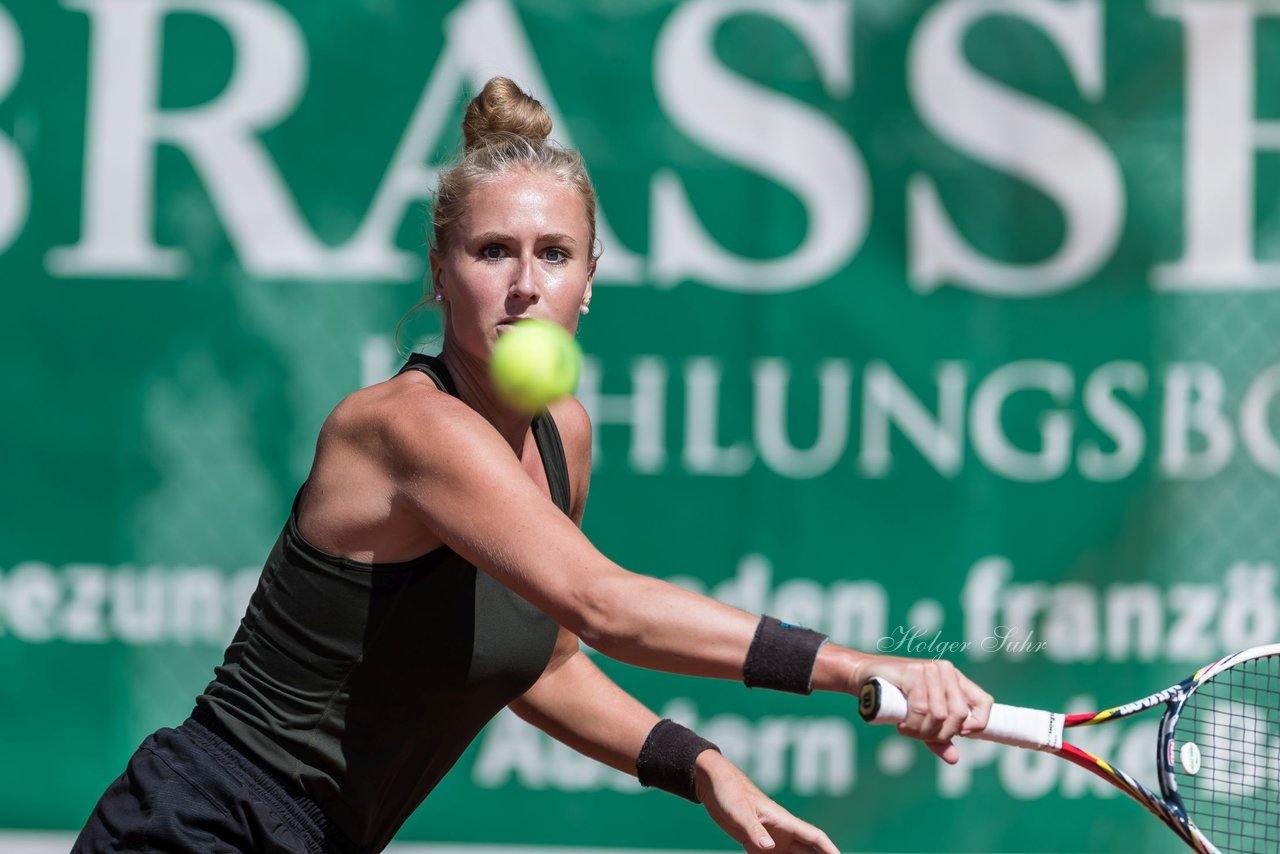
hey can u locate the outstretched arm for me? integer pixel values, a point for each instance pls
(575, 703)
(468, 488)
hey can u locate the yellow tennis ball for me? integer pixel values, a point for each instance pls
(535, 363)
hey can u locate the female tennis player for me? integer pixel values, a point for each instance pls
(432, 571)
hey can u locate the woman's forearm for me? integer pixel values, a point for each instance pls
(654, 624)
(578, 705)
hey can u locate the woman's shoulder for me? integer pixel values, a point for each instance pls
(574, 426)
(572, 421)
(392, 410)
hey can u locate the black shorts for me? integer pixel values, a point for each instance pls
(191, 789)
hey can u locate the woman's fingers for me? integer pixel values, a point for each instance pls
(980, 703)
(941, 704)
(738, 814)
(759, 841)
(956, 706)
(948, 753)
(793, 834)
(809, 840)
(759, 824)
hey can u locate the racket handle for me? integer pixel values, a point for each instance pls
(883, 703)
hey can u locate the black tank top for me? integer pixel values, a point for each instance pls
(361, 684)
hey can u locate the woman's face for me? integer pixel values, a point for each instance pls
(521, 250)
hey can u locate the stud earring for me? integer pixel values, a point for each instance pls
(439, 297)
(584, 309)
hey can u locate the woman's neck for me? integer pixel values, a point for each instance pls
(471, 378)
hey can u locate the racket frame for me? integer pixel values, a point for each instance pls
(1168, 805)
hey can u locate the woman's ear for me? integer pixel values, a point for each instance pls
(437, 274)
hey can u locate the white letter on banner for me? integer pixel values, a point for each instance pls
(1011, 131)
(1256, 431)
(33, 597)
(886, 399)
(1222, 139)
(510, 748)
(483, 38)
(702, 452)
(989, 440)
(1116, 420)
(955, 781)
(126, 126)
(83, 620)
(771, 378)
(1193, 398)
(980, 598)
(789, 142)
(644, 411)
(1134, 621)
(15, 186)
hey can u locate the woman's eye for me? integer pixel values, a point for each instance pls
(555, 256)
(492, 252)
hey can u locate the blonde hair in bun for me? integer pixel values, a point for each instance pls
(503, 108)
(505, 129)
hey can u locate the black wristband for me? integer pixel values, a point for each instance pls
(666, 760)
(782, 657)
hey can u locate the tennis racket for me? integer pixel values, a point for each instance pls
(1217, 752)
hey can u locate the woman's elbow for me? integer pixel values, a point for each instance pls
(600, 616)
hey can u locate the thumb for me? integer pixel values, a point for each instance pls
(946, 751)
(758, 839)
(750, 832)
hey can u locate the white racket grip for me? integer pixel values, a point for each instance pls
(883, 703)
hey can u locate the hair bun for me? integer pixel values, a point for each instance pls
(503, 109)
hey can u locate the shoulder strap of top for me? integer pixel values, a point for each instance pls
(432, 367)
(551, 448)
(545, 432)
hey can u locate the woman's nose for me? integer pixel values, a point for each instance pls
(524, 285)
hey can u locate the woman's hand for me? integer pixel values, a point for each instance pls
(754, 821)
(941, 702)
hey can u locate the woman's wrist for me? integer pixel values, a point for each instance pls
(707, 768)
(668, 759)
(839, 669)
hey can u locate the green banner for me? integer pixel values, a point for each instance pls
(947, 328)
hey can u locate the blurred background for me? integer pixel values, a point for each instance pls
(946, 328)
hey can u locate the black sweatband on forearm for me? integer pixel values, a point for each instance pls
(782, 657)
(666, 760)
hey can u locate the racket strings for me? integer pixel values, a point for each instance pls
(1227, 757)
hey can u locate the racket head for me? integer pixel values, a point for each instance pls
(1219, 756)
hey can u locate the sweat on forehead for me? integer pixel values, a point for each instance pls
(506, 186)
(524, 202)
